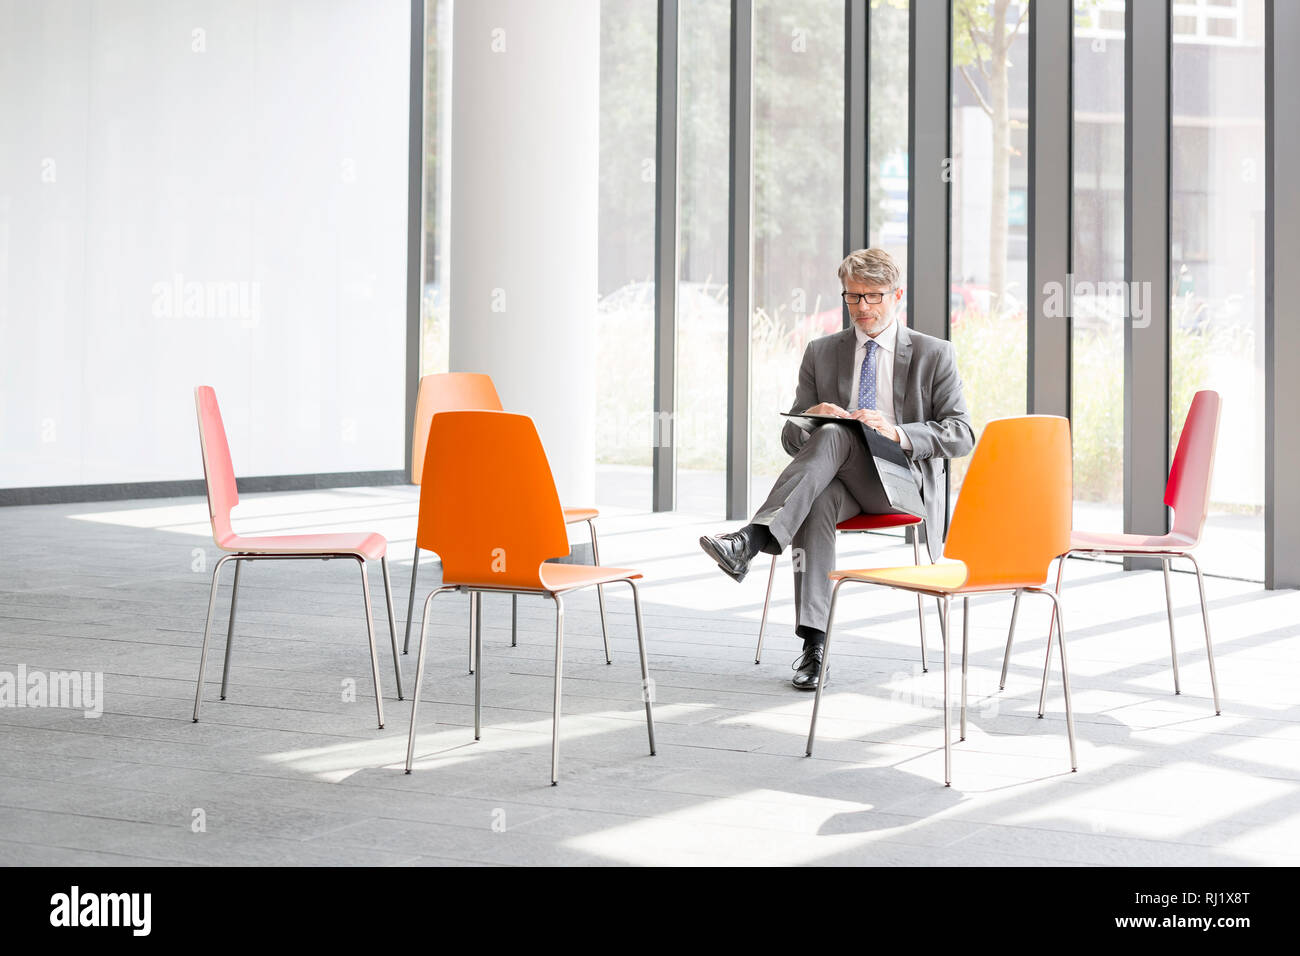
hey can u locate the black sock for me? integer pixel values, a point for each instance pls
(812, 637)
(760, 539)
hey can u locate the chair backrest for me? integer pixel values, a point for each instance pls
(450, 391)
(488, 504)
(1188, 488)
(218, 472)
(1013, 513)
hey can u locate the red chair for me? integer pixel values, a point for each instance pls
(489, 508)
(219, 474)
(1188, 493)
(465, 391)
(860, 523)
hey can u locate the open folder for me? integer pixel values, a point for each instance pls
(894, 489)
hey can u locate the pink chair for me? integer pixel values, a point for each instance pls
(1188, 493)
(219, 474)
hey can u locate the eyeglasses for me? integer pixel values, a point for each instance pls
(873, 298)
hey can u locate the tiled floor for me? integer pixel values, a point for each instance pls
(290, 769)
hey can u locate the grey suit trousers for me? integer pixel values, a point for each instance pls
(818, 489)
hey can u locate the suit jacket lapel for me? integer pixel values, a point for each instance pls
(845, 352)
(903, 362)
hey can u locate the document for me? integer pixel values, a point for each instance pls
(895, 489)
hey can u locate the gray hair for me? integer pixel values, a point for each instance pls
(873, 266)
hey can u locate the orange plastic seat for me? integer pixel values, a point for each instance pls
(462, 391)
(1187, 492)
(223, 495)
(1011, 520)
(859, 523)
(489, 508)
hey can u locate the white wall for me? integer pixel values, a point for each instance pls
(253, 147)
(525, 163)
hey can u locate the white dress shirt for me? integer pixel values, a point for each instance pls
(887, 340)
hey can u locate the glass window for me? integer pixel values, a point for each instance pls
(704, 118)
(626, 224)
(887, 151)
(798, 206)
(1097, 304)
(1217, 257)
(990, 127)
(434, 341)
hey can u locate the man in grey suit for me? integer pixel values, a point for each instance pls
(901, 383)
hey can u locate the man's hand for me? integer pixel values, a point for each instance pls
(827, 408)
(875, 421)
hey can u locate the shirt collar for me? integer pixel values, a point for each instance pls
(886, 339)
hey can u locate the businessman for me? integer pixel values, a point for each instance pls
(902, 383)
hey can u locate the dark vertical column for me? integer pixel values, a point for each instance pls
(1051, 113)
(664, 488)
(740, 256)
(1146, 269)
(1281, 327)
(929, 172)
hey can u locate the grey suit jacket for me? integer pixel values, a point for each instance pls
(928, 404)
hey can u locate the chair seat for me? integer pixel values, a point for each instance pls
(574, 515)
(367, 544)
(875, 522)
(560, 577)
(1098, 541)
(949, 577)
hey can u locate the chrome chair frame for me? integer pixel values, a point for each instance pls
(945, 600)
(514, 605)
(920, 609)
(239, 558)
(1165, 557)
(476, 632)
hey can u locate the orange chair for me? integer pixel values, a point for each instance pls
(1187, 492)
(489, 508)
(1011, 520)
(859, 523)
(219, 475)
(462, 391)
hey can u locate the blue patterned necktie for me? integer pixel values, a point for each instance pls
(867, 380)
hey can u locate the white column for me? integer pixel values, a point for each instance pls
(525, 148)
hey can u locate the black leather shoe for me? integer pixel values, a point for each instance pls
(808, 667)
(733, 552)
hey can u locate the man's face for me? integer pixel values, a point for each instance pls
(872, 319)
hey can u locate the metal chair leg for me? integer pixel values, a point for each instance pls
(821, 676)
(920, 607)
(410, 602)
(392, 625)
(514, 620)
(555, 715)
(370, 634)
(645, 669)
(1051, 629)
(1011, 633)
(230, 629)
(473, 630)
(419, 675)
(207, 630)
(600, 591)
(1169, 608)
(1209, 646)
(965, 657)
(947, 711)
(1065, 680)
(762, 624)
(478, 671)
